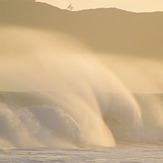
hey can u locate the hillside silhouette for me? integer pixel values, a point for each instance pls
(103, 30)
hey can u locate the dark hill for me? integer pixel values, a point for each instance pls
(104, 30)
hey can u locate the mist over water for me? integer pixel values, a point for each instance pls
(56, 92)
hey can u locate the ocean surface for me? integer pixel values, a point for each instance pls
(122, 153)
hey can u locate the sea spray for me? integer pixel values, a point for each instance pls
(63, 96)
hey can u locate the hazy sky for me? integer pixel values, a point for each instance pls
(131, 5)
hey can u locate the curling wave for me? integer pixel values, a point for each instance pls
(53, 96)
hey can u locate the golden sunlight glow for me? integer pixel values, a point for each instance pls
(130, 5)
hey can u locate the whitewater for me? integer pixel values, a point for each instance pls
(62, 102)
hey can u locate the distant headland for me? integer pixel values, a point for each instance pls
(104, 30)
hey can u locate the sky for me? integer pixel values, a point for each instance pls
(129, 5)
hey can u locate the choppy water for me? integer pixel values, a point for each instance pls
(122, 153)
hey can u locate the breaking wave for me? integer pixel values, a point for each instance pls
(55, 93)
